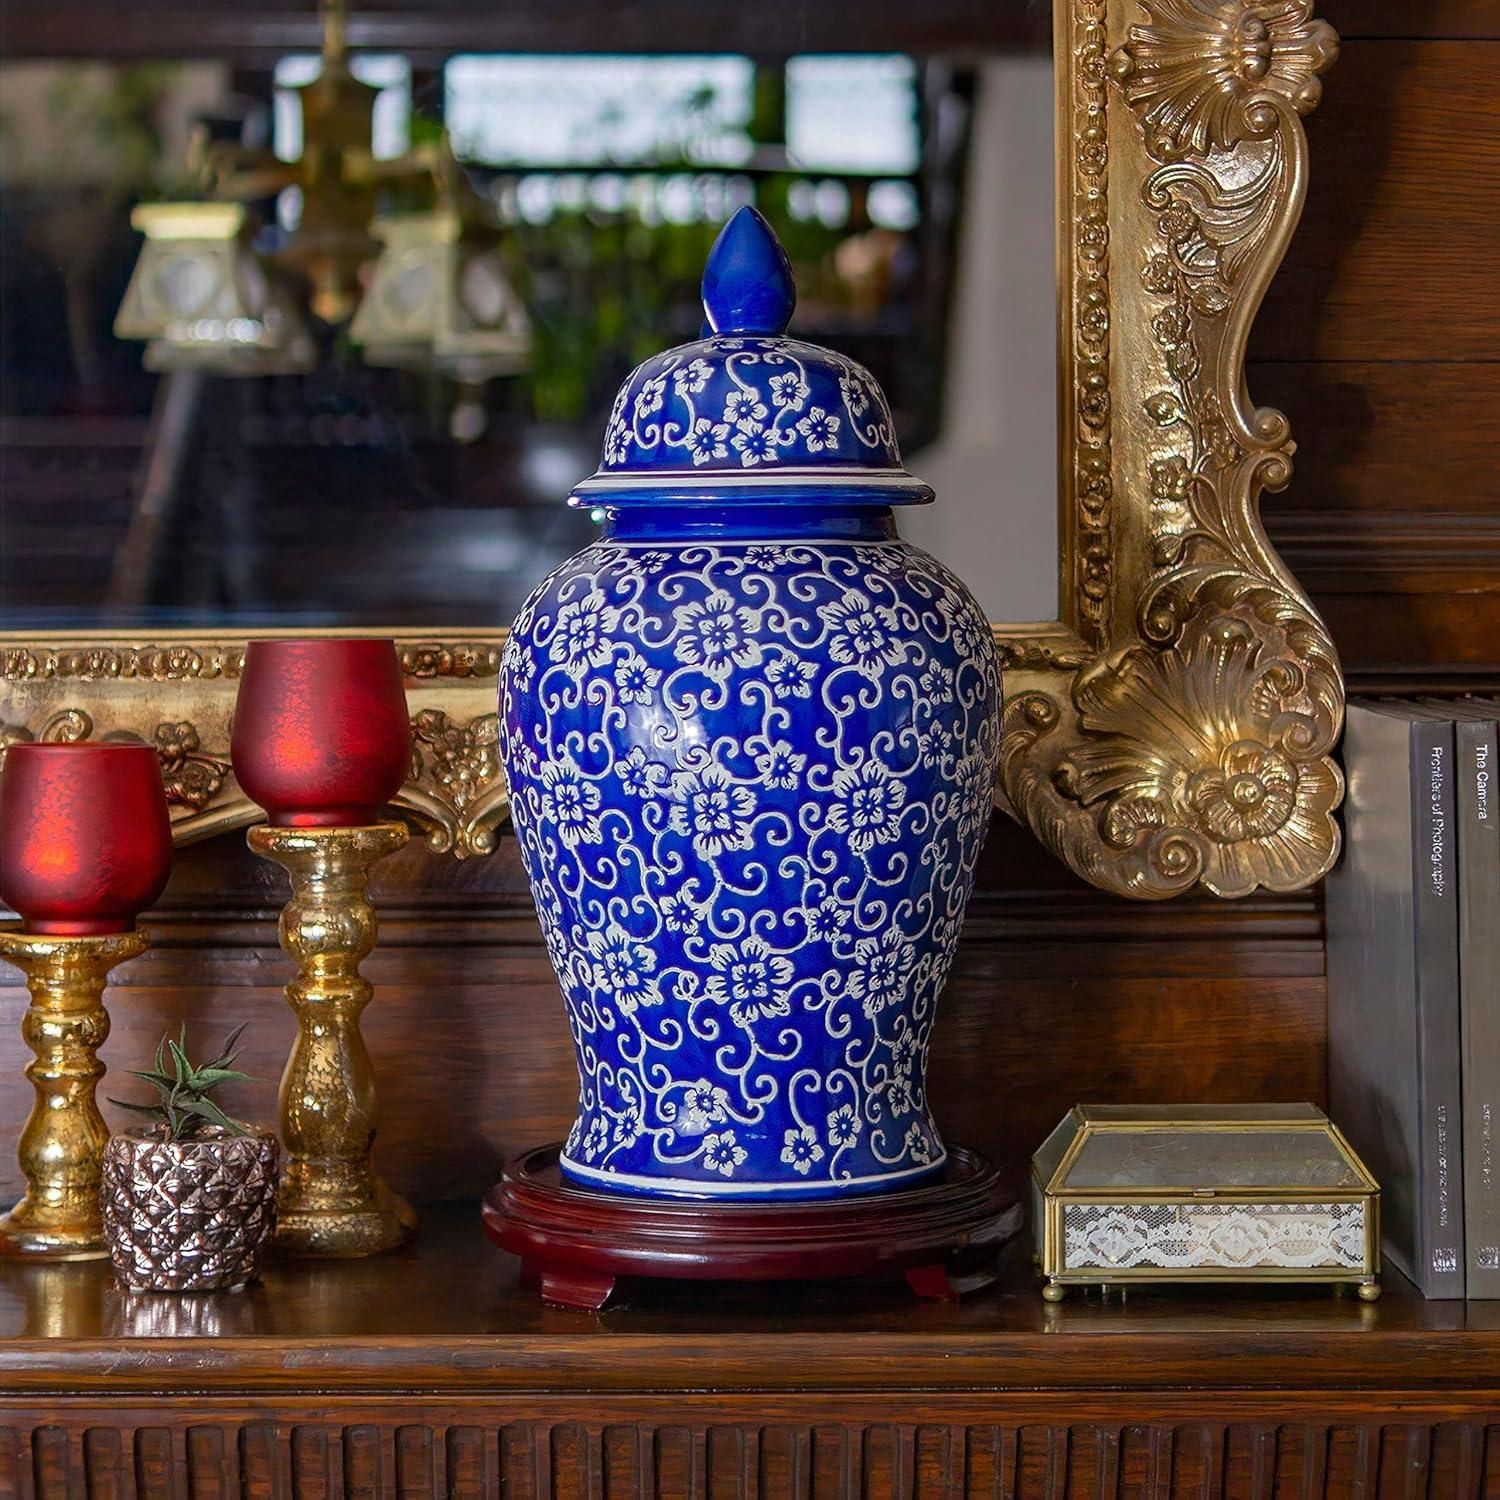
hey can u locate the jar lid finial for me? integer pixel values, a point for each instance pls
(747, 280)
(746, 414)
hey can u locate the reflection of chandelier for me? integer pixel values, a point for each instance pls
(439, 299)
(437, 296)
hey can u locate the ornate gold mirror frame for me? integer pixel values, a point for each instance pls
(1175, 727)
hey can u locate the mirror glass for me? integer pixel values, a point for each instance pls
(372, 486)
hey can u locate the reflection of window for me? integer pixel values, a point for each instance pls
(570, 150)
(391, 132)
(843, 114)
(852, 114)
(593, 111)
(652, 198)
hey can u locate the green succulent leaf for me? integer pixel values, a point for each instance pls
(228, 1052)
(208, 1110)
(183, 1089)
(163, 1081)
(212, 1076)
(163, 1086)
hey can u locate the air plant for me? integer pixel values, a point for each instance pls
(184, 1106)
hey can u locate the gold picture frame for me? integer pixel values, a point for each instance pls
(1174, 728)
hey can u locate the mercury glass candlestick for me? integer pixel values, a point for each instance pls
(322, 741)
(331, 1201)
(85, 845)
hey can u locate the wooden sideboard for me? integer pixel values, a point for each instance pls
(431, 1372)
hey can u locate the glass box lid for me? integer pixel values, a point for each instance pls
(1198, 1149)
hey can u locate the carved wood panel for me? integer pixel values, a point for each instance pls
(487, 1454)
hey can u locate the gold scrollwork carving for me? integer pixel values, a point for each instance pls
(1089, 431)
(191, 777)
(66, 727)
(456, 789)
(456, 784)
(429, 659)
(1197, 748)
(1038, 653)
(86, 663)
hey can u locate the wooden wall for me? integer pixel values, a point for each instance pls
(1379, 340)
(1060, 994)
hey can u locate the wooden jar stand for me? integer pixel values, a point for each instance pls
(576, 1244)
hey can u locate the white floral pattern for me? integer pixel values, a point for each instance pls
(750, 979)
(717, 636)
(709, 805)
(722, 1153)
(867, 804)
(750, 782)
(747, 402)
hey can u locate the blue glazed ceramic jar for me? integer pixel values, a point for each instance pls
(751, 738)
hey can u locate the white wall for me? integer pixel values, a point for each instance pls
(994, 465)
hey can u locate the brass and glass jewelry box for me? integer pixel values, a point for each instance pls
(1203, 1192)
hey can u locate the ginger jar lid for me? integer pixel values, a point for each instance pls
(746, 415)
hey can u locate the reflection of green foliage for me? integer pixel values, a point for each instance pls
(607, 290)
(118, 111)
(426, 129)
(606, 293)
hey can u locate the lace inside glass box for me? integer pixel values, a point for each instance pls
(1115, 1237)
(1216, 1192)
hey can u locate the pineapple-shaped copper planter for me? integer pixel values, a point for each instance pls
(190, 1215)
(188, 1202)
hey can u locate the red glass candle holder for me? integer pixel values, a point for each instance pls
(321, 735)
(85, 837)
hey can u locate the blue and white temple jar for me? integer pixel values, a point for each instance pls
(751, 738)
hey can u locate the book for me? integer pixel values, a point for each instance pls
(1394, 1057)
(1478, 815)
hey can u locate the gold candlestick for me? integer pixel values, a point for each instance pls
(331, 1202)
(63, 1143)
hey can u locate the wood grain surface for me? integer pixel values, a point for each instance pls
(449, 1313)
(1408, 19)
(1379, 337)
(431, 1371)
(1394, 259)
(250, 31)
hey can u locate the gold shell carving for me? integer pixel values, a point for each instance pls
(1200, 72)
